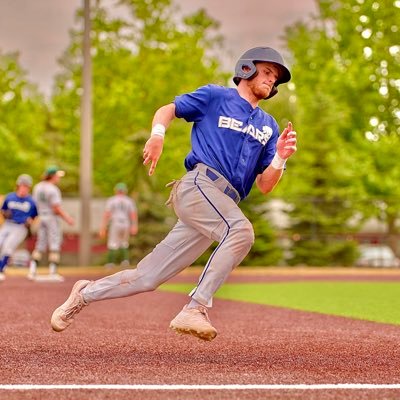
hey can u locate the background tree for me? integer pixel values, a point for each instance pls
(344, 66)
(23, 124)
(139, 64)
(372, 59)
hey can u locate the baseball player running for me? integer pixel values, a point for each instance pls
(19, 211)
(234, 144)
(48, 199)
(120, 217)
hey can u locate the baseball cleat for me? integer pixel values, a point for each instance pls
(194, 321)
(2, 276)
(125, 264)
(31, 276)
(63, 316)
(56, 278)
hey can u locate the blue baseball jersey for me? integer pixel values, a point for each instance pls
(21, 208)
(228, 134)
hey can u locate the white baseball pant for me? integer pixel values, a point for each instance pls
(204, 202)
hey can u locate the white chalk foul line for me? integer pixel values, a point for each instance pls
(327, 386)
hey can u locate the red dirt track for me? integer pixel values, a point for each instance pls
(127, 341)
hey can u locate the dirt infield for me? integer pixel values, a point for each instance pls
(127, 341)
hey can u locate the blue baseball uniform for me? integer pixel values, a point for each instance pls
(228, 134)
(21, 208)
(232, 143)
(17, 210)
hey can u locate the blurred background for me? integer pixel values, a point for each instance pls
(338, 203)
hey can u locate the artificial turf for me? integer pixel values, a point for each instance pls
(372, 301)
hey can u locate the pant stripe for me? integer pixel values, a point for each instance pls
(220, 243)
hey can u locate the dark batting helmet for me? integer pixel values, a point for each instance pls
(246, 69)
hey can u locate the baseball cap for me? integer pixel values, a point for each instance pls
(24, 179)
(121, 187)
(54, 170)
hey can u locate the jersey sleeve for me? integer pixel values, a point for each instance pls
(4, 206)
(33, 211)
(193, 106)
(270, 148)
(55, 198)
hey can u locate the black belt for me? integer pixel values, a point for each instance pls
(228, 190)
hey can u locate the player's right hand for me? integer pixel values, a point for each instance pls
(7, 214)
(287, 142)
(69, 220)
(102, 233)
(152, 152)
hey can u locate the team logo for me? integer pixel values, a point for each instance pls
(24, 206)
(231, 123)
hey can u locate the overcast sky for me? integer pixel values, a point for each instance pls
(38, 29)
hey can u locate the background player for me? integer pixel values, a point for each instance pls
(234, 144)
(48, 199)
(120, 217)
(19, 211)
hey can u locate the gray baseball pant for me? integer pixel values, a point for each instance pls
(118, 235)
(205, 204)
(49, 234)
(11, 235)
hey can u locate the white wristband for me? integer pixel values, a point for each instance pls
(158, 129)
(278, 162)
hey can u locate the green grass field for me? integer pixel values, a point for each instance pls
(372, 301)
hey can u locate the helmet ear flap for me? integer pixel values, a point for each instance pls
(273, 92)
(245, 69)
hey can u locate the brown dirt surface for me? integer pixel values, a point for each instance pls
(127, 341)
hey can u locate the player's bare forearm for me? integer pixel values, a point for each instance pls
(267, 181)
(134, 224)
(104, 224)
(154, 146)
(164, 115)
(66, 217)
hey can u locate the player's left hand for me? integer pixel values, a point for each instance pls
(152, 152)
(7, 214)
(102, 233)
(69, 220)
(287, 142)
(28, 222)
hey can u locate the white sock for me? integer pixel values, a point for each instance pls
(32, 267)
(193, 304)
(52, 268)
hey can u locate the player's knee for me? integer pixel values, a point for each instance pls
(149, 285)
(150, 282)
(54, 257)
(132, 277)
(248, 233)
(36, 255)
(244, 234)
